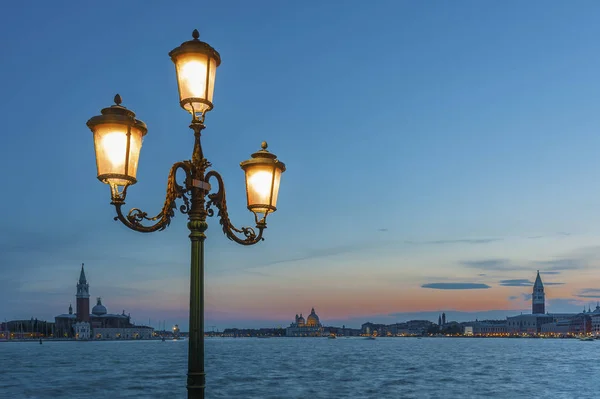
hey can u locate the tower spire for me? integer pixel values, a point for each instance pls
(538, 298)
(82, 279)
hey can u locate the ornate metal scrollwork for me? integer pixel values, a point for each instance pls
(136, 216)
(193, 196)
(219, 201)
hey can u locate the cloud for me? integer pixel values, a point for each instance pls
(521, 282)
(456, 241)
(317, 253)
(560, 233)
(563, 264)
(589, 293)
(309, 254)
(551, 272)
(516, 283)
(563, 305)
(491, 264)
(523, 297)
(455, 286)
(382, 229)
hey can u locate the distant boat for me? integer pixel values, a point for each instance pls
(40, 341)
(371, 337)
(586, 338)
(331, 336)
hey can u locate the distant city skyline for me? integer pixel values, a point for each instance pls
(557, 306)
(437, 156)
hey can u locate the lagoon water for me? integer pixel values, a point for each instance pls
(305, 368)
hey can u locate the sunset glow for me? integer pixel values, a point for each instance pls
(437, 173)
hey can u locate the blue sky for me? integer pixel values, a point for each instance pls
(433, 148)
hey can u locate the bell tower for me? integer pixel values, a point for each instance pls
(538, 298)
(83, 297)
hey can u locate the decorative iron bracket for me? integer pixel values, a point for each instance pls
(219, 201)
(136, 216)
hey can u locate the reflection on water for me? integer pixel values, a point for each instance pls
(305, 367)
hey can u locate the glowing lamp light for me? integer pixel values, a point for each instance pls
(263, 175)
(117, 142)
(196, 64)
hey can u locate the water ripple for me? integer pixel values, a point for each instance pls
(298, 368)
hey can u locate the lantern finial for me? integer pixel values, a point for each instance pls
(264, 145)
(196, 34)
(118, 99)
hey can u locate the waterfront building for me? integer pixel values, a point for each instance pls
(558, 327)
(538, 298)
(31, 328)
(341, 331)
(595, 320)
(369, 328)
(82, 330)
(442, 320)
(64, 324)
(576, 324)
(408, 328)
(99, 324)
(311, 327)
(487, 327)
(527, 323)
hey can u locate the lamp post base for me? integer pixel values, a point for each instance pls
(196, 382)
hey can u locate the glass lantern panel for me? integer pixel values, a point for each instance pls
(135, 147)
(211, 79)
(110, 141)
(262, 189)
(192, 79)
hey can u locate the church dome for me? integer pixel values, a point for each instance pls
(99, 309)
(312, 320)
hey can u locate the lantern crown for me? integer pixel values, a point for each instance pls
(195, 46)
(263, 156)
(117, 114)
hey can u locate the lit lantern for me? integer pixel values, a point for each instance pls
(117, 141)
(196, 63)
(263, 175)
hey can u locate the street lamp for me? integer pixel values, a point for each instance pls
(118, 140)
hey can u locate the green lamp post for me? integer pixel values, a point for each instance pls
(118, 141)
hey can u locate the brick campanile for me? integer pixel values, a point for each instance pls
(538, 298)
(83, 298)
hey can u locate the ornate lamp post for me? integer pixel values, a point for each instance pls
(118, 141)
